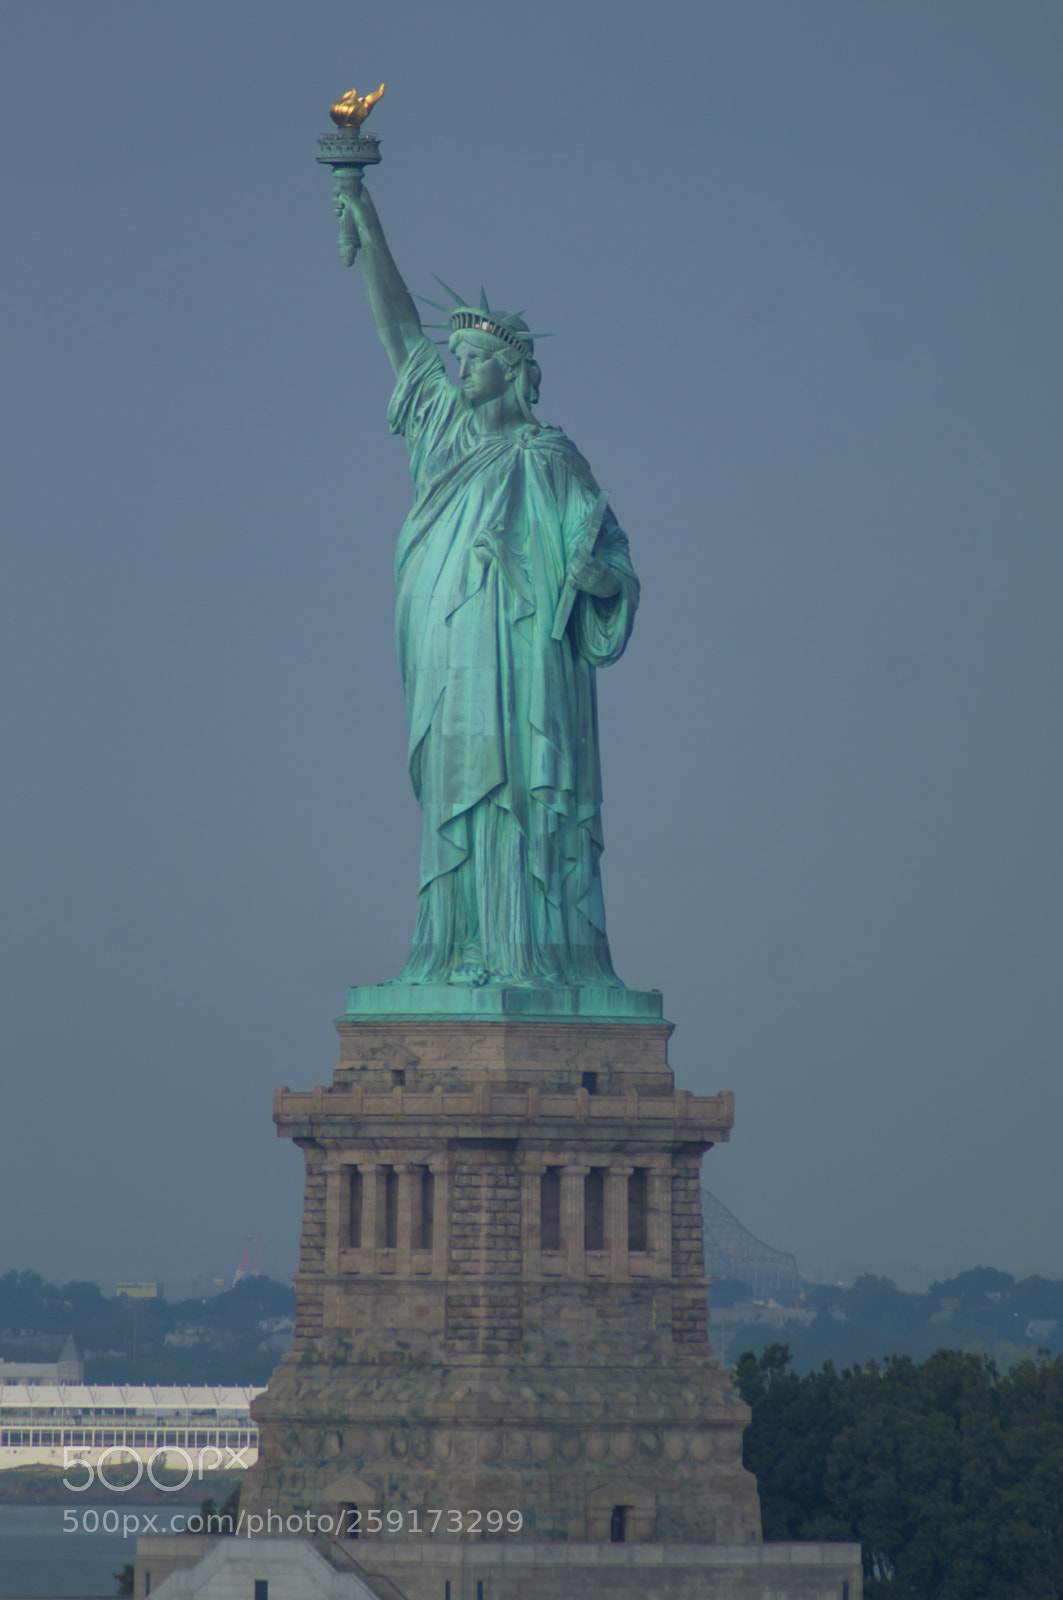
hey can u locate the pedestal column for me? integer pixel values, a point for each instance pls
(616, 1180)
(573, 1222)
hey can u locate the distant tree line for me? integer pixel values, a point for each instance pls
(949, 1473)
(225, 1338)
(982, 1311)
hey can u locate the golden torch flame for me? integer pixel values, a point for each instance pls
(352, 109)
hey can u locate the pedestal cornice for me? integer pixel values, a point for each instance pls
(330, 1114)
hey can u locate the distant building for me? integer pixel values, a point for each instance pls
(139, 1291)
(767, 1313)
(56, 1424)
(186, 1334)
(731, 1251)
(68, 1369)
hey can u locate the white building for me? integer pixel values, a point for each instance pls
(57, 1424)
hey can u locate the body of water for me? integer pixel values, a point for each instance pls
(40, 1555)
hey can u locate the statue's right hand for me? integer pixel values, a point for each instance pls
(348, 190)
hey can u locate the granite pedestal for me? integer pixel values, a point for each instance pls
(501, 1293)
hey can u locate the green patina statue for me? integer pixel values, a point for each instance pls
(514, 586)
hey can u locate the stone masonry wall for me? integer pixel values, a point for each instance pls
(484, 1316)
(688, 1259)
(468, 1352)
(309, 1305)
(809, 1571)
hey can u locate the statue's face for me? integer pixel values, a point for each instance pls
(482, 377)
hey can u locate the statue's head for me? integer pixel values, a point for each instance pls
(507, 341)
(501, 336)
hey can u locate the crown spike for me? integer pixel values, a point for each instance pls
(483, 299)
(458, 301)
(423, 298)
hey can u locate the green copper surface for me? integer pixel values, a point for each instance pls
(503, 748)
(514, 587)
(460, 1002)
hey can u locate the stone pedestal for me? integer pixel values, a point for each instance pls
(501, 1293)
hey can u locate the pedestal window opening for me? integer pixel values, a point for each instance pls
(637, 1211)
(426, 1210)
(355, 1209)
(391, 1209)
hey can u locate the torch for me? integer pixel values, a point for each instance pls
(348, 152)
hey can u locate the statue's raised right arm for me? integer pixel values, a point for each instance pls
(391, 303)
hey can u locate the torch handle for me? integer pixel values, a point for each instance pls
(348, 183)
(348, 151)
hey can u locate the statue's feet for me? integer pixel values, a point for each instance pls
(472, 973)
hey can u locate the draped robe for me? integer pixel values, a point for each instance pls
(503, 724)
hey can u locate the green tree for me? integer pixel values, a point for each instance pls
(788, 1442)
(949, 1474)
(220, 1519)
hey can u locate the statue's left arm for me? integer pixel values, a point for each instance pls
(603, 616)
(591, 574)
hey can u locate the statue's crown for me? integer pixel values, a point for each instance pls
(508, 327)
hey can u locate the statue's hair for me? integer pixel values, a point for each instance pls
(526, 381)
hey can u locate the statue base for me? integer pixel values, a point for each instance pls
(493, 1001)
(502, 1294)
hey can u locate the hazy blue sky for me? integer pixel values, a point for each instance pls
(802, 260)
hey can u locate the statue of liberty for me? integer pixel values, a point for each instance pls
(514, 586)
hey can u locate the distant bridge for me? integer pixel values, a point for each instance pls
(731, 1251)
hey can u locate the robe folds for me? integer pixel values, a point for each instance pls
(503, 725)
